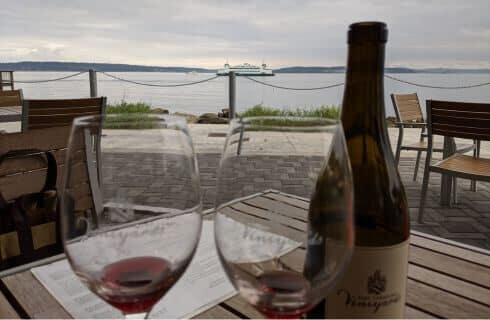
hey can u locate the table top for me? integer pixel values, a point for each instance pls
(446, 279)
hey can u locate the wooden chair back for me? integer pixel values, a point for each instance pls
(407, 107)
(27, 175)
(37, 114)
(459, 119)
(11, 98)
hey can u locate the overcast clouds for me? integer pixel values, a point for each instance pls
(452, 33)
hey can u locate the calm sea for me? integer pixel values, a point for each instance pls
(212, 96)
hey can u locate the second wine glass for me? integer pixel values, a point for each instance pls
(284, 222)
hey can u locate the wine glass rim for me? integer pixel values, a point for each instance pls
(274, 123)
(170, 119)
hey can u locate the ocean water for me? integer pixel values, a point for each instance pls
(212, 96)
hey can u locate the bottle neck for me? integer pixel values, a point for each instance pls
(363, 109)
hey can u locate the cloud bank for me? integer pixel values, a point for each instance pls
(429, 33)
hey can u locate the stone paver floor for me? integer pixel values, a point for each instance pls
(468, 221)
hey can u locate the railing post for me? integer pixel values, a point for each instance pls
(232, 94)
(92, 74)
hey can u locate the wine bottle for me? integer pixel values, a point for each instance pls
(373, 286)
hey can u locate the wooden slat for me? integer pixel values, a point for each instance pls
(45, 139)
(461, 106)
(33, 297)
(271, 216)
(243, 307)
(30, 163)
(406, 97)
(471, 122)
(217, 312)
(443, 304)
(272, 227)
(279, 208)
(412, 313)
(58, 118)
(482, 132)
(450, 250)
(48, 125)
(448, 265)
(410, 115)
(292, 201)
(10, 98)
(409, 107)
(461, 113)
(450, 284)
(67, 110)
(10, 101)
(64, 103)
(459, 134)
(13, 186)
(6, 310)
(465, 164)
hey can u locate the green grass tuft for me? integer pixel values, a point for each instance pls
(329, 112)
(124, 107)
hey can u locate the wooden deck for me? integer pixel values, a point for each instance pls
(446, 279)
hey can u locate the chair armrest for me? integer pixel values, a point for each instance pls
(411, 124)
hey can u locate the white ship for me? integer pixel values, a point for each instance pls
(246, 70)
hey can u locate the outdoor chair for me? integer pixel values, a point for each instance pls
(25, 175)
(10, 105)
(458, 120)
(409, 115)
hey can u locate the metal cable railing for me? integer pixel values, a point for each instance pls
(421, 85)
(50, 80)
(154, 84)
(437, 87)
(290, 88)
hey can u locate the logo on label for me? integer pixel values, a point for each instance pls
(376, 283)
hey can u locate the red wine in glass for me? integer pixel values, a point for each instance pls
(134, 285)
(285, 283)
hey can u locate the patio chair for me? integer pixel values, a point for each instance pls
(10, 105)
(409, 115)
(458, 120)
(38, 114)
(25, 175)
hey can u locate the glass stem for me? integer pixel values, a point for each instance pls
(142, 315)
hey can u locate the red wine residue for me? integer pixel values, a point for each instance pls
(139, 273)
(282, 282)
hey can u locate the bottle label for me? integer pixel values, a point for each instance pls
(373, 285)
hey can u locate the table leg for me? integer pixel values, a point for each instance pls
(446, 180)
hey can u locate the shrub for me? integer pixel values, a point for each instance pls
(329, 112)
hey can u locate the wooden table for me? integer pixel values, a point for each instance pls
(445, 279)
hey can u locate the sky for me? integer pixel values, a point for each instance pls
(422, 33)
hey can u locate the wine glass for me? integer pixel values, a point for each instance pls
(284, 211)
(131, 206)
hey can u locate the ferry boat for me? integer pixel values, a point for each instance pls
(245, 70)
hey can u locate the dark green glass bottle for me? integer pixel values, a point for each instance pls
(373, 285)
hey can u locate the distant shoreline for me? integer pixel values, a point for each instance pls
(55, 66)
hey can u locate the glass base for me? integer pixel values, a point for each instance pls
(142, 315)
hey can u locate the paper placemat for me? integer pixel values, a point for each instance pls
(203, 285)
